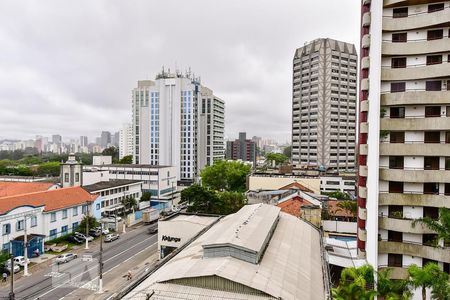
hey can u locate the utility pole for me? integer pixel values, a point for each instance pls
(25, 248)
(100, 269)
(87, 225)
(11, 290)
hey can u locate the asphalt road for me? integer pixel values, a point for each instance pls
(57, 281)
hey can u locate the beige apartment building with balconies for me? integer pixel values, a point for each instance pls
(404, 136)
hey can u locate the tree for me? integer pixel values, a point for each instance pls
(200, 199)
(430, 276)
(389, 289)
(278, 158)
(230, 202)
(146, 196)
(288, 151)
(48, 168)
(92, 222)
(440, 226)
(356, 283)
(112, 151)
(226, 176)
(349, 206)
(338, 195)
(126, 159)
(129, 202)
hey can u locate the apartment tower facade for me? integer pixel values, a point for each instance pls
(324, 105)
(242, 148)
(177, 122)
(404, 131)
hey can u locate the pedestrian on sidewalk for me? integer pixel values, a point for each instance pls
(129, 275)
(4, 277)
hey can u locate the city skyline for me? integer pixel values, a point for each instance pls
(58, 76)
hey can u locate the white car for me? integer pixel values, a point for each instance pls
(66, 257)
(83, 237)
(8, 267)
(111, 237)
(18, 261)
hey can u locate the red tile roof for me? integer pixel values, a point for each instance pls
(17, 188)
(52, 199)
(297, 186)
(335, 211)
(293, 206)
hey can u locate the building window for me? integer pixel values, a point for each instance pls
(398, 62)
(399, 37)
(434, 85)
(74, 226)
(75, 211)
(397, 112)
(431, 163)
(395, 260)
(395, 187)
(64, 214)
(97, 206)
(434, 59)
(53, 217)
(77, 177)
(435, 34)
(396, 162)
(84, 209)
(400, 12)
(33, 221)
(432, 111)
(397, 137)
(66, 177)
(432, 137)
(64, 230)
(6, 229)
(431, 188)
(397, 87)
(53, 234)
(20, 225)
(435, 7)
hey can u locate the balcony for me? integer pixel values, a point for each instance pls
(366, 19)
(396, 272)
(417, 20)
(362, 234)
(415, 249)
(363, 149)
(365, 84)
(363, 127)
(413, 175)
(363, 171)
(365, 62)
(410, 198)
(418, 148)
(362, 213)
(415, 72)
(365, 42)
(419, 124)
(402, 225)
(362, 192)
(365, 105)
(419, 97)
(416, 47)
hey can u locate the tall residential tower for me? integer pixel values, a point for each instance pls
(324, 105)
(404, 131)
(177, 122)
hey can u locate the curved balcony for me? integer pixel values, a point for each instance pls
(365, 42)
(415, 72)
(419, 20)
(418, 97)
(416, 47)
(362, 234)
(415, 149)
(362, 192)
(363, 127)
(365, 62)
(413, 199)
(396, 272)
(363, 149)
(366, 19)
(363, 171)
(364, 105)
(419, 124)
(402, 225)
(441, 176)
(415, 249)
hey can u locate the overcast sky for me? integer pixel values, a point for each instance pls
(68, 67)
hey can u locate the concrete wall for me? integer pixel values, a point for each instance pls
(339, 226)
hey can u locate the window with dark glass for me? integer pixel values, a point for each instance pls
(432, 137)
(434, 59)
(431, 212)
(399, 37)
(431, 188)
(432, 111)
(396, 112)
(447, 163)
(447, 111)
(434, 85)
(447, 189)
(447, 137)
(395, 260)
(396, 162)
(395, 236)
(435, 34)
(398, 87)
(398, 62)
(400, 12)
(431, 163)
(428, 239)
(397, 137)
(395, 187)
(395, 211)
(435, 7)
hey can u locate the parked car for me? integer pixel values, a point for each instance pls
(7, 268)
(111, 237)
(74, 239)
(83, 237)
(18, 261)
(95, 232)
(104, 231)
(66, 257)
(153, 230)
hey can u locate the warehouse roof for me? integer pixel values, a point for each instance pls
(291, 266)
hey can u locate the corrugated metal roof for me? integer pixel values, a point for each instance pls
(291, 267)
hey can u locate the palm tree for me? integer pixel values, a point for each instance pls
(348, 205)
(440, 226)
(129, 202)
(430, 276)
(356, 283)
(389, 289)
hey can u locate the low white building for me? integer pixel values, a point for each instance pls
(43, 215)
(345, 184)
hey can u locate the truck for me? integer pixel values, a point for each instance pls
(150, 215)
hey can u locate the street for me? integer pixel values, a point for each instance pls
(57, 281)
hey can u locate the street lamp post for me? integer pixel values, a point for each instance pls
(25, 248)
(100, 269)
(87, 225)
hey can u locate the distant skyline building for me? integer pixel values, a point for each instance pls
(177, 122)
(126, 141)
(242, 149)
(83, 141)
(324, 105)
(105, 139)
(57, 139)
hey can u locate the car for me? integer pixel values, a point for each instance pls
(18, 261)
(74, 239)
(66, 257)
(153, 230)
(6, 268)
(95, 232)
(111, 237)
(104, 231)
(83, 237)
